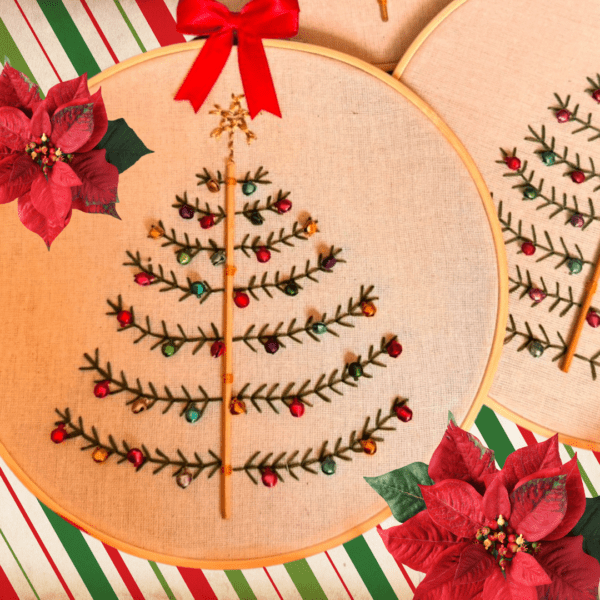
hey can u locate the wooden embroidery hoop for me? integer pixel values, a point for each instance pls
(513, 416)
(486, 380)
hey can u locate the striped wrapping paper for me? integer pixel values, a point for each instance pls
(41, 555)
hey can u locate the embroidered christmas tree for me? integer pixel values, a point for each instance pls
(571, 202)
(235, 399)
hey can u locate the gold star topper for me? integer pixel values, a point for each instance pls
(232, 119)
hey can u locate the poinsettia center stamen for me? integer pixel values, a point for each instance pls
(502, 542)
(45, 153)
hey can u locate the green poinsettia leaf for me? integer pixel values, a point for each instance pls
(123, 147)
(589, 527)
(400, 489)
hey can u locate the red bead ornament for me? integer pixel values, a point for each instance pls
(283, 205)
(596, 95)
(403, 412)
(536, 294)
(593, 318)
(269, 478)
(562, 116)
(125, 318)
(136, 457)
(186, 211)
(577, 177)
(528, 248)
(241, 299)
(297, 407)
(102, 389)
(207, 221)
(263, 254)
(394, 349)
(271, 345)
(513, 163)
(144, 278)
(59, 434)
(217, 349)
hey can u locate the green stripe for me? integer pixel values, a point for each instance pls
(493, 434)
(82, 557)
(305, 581)
(19, 563)
(240, 585)
(131, 28)
(163, 581)
(9, 48)
(68, 35)
(369, 570)
(584, 475)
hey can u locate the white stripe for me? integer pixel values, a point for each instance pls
(144, 576)
(326, 576)
(28, 46)
(48, 39)
(144, 31)
(349, 574)
(115, 29)
(49, 537)
(261, 585)
(220, 584)
(175, 581)
(284, 582)
(388, 564)
(13, 573)
(108, 567)
(89, 33)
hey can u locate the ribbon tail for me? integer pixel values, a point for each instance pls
(206, 69)
(256, 76)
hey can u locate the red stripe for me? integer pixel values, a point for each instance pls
(197, 584)
(406, 576)
(38, 40)
(597, 455)
(126, 576)
(161, 21)
(36, 535)
(338, 574)
(100, 32)
(271, 580)
(8, 591)
(527, 436)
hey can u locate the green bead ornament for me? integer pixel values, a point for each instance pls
(548, 158)
(536, 349)
(291, 288)
(319, 328)
(197, 288)
(256, 218)
(192, 414)
(530, 193)
(574, 265)
(355, 370)
(328, 466)
(168, 349)
(184, 257)
(218, 258)
(248, 188)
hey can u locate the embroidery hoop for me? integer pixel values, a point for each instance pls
(412, 70)
(486, 377)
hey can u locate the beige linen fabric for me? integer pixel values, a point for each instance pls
(384, 185)
(490, 70)
(355, 26)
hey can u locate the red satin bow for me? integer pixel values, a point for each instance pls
(258, 19)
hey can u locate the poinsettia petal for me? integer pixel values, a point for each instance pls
(460, 455)
(99, 178)
(102, 209)
(36, 222)
(418, 542)
(100, 122)
(17, 172)
(538, 507)
(454, 505)
(498, 588)
(66, 91)
(50, 200)
(72, 126)
(443, 569)
(63, 175)
(452, 591)
(525, 570)
(575, 575)
(17, 90)
(40, 122)
(475, 564)
(14, 128)
(530, 459)
(495, 500)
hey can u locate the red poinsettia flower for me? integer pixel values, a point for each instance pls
(47, 156)
(497, 535)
